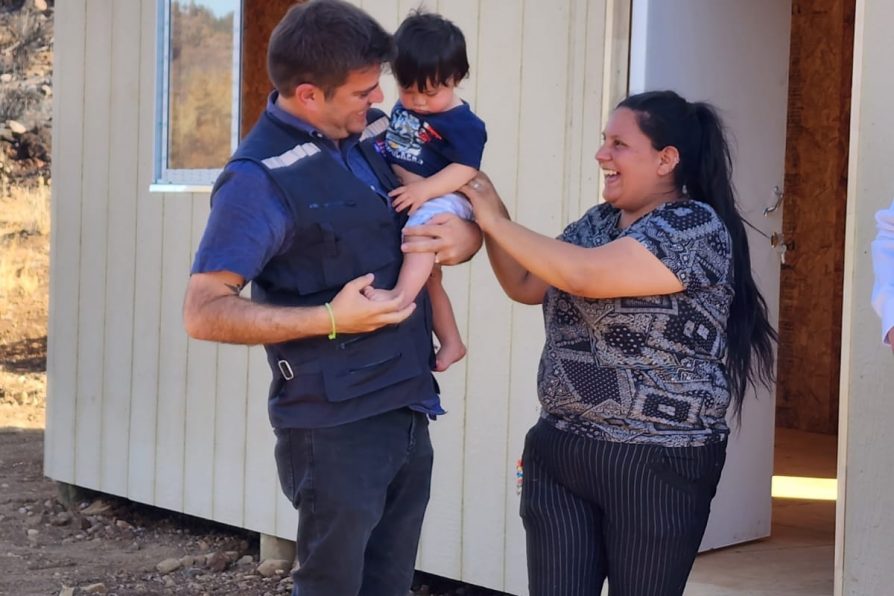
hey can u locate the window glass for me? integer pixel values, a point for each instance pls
(201, 75)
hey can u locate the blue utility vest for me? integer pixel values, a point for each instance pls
(342, 230)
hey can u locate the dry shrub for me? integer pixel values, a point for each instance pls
(25, 213)
(16, 101)
(26, 209)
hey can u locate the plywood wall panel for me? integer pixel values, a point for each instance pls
(814, 214)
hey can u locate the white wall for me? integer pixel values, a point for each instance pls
(865, 528)
(136, 409)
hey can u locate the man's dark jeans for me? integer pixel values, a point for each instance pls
(361, 490)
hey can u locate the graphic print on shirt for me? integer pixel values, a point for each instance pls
(407, 135)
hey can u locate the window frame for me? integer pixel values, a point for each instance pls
(184, 179)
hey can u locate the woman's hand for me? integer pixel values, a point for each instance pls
(485, 201)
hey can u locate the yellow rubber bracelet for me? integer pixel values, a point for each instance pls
(331, 319)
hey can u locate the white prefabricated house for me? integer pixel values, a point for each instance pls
(137, 409)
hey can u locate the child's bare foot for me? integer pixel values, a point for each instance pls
(449, 353)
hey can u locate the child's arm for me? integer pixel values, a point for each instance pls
(448, 180)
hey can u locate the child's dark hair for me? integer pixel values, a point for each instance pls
(430, 50)
(705, 172)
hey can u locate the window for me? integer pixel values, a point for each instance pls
(198, 89)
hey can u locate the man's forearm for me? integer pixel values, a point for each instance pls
(230, 318)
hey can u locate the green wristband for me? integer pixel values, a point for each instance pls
(331, 319)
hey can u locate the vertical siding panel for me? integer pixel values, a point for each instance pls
(94, 234)
(574, 125)
(173, 360)
(441, 545)
(261, 484)
(405, 6)
(229, 425)
(497, 70)
(593, 106)
(68, 106)
(201, 385)
(119, 297)
(387, 13)
(383, 11)
(147, 286)
(539, 206)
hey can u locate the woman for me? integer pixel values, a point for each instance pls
(654, 326)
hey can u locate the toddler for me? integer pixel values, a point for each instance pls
(434, 144)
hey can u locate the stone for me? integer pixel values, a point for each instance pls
(40, 5)
(5, 77)
(67, 591)
(16, 127)
(168, 566)
(61, 519)
(123, 525)
(272, 567)
(246, 560)
(217, 562)
(98, 588)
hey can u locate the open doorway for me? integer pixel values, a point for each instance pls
(798, 558)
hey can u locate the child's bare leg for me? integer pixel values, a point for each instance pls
(414, 273)
(452, 348)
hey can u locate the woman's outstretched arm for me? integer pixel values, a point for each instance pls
(621, 268)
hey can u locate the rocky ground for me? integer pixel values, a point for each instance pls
(55, 540)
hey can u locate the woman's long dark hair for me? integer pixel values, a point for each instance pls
(705, 173)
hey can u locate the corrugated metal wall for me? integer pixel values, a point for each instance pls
(139, 410)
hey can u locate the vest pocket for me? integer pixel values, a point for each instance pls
(364, 364)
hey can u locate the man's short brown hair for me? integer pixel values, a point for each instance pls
(320, 42)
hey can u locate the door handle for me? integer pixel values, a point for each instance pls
(777, 192)
(777, 241)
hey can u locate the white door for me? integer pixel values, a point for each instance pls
(734, 54)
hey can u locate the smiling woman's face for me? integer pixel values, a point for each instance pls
(635, 172)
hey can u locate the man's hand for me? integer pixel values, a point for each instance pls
(214, 311)
(452, 239)
(411, 196)
(355, 313)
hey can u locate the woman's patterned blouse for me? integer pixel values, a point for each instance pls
(647, 369)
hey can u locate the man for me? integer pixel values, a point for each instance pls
(301, 210)
(883, 263)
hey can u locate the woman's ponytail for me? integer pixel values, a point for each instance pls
(705, 174)
(750, 336)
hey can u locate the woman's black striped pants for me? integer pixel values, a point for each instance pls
(596, 510)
